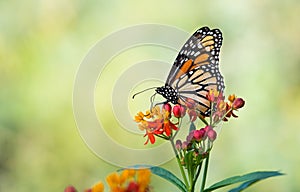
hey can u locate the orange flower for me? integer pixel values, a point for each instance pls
(234, 105)
(143, 179)
(99, 187)
(139, 117)
(161, 125)
(127, 174)
(113, 180)
(231, 98)
(129, 181)
(150, 138)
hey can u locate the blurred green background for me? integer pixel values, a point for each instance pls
(43, 42)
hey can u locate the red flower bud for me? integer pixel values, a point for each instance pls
(167, 107)
(207, 128)
(212, 135)
(238, 103)
(190, 136)
(184, 145)
(199, 134)
(70, 189)
(178, 145)
(133, 186)
(179, 111)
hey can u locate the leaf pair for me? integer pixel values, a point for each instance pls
(247, 179)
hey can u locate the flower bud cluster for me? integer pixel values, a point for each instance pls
(198, 143)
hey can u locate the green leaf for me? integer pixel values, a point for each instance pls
(243, 186)
(169, 176)
(162, 173)
(249, 179)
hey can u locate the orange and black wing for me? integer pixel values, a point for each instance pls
(196, 68)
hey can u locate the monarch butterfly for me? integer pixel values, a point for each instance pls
(195, 71)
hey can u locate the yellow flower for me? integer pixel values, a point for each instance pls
(231, 98)
(139, 117)
(113, 180)
(212, 95)
(99, 187)
(221, 106)
(127, 174)
(156, 111)
(143, 178)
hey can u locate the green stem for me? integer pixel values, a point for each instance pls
(196, 177)
(211, 113)
(190, 179)
(204, 173)
(179, 164)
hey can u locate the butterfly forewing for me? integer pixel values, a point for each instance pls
(195, 70)
(201, 48)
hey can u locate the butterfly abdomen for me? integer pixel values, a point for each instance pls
(169, 93)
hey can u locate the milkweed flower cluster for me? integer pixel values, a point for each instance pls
(222, 110)
(129, 180)
(161, 121)
(158, 121)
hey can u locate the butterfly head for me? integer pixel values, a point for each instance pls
(169, 93)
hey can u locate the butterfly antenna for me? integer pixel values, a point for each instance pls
(143, 91)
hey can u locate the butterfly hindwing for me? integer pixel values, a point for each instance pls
(195, 85)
